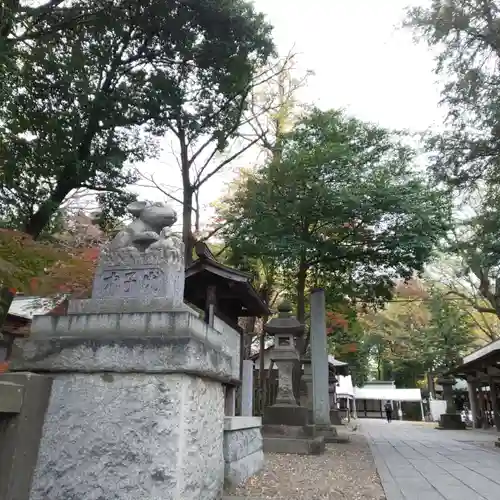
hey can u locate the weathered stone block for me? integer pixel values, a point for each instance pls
(128, 273)
(124, 436)
(335, 417)
(451, 421)
(109, 305)
(239, 471)
(124, 355)
(243, 455)
(11, 397)
(136, 327)
(285, 415)
(296, 446)
(140, 281)
(20, 434)
(239, 444)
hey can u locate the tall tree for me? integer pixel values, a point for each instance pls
(465, 156)
(344, 200)
(465, 35)
(88, 100)
(469, 290)
(267, 106)
(421, 332)
(448, 336)
(346, 341)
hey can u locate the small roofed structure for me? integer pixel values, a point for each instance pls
(346, 401)
(481, 370)
(338, 367)
(370, 398)
(221, 290)
(17, 322)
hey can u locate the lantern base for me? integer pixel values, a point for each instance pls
(335, 417)
(451, 421)
(281, 414)
(295, 446)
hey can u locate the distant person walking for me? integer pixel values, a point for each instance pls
(388, 411)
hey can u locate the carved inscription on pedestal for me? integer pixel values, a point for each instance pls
(130, 283)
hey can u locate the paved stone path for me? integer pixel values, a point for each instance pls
(417, 462)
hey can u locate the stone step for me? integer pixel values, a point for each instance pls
(297, 446)
(242, 498)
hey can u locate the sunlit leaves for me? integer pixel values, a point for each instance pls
(344, 204)
(44, 269)
(90, 98)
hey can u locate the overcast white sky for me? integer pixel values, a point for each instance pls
(363, 62)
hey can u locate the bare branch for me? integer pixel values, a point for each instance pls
(477, 307)
(213, 232)
(157, 186)
(221, 165)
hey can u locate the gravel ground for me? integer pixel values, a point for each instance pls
(344, 471)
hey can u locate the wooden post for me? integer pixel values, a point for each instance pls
(210, 305)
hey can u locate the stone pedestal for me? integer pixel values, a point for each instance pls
(328, 432)
(136, 408)
(451, 419)
(335, 417)
(145, 261)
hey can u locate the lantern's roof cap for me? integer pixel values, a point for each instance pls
(285, 307)
(285, 323)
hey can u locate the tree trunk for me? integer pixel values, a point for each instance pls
(6, 297)
(187, 216)
(187, 201)
(41, 218)
(301, 305)
(301, 292)
(249, 335)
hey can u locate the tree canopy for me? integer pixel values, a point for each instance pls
(343, 205)
(465, 35)
(464, 155)
(88, 99)
(422, 331)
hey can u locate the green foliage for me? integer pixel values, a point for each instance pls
(21, 259)
(44, 268)
(465, 156)
(343, 207)
(448, 336)
(465, 34)
(428, 331)
(89, 99)
(346, 341)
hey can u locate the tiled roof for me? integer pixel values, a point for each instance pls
(27, 307)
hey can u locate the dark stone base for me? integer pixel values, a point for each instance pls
(335, 417)
(296, 416)
(451, 421)
(328, 432)
(289, 431)
(299, 440)
(296, 446)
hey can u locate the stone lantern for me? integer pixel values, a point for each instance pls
(451, 419)
(285, 328)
